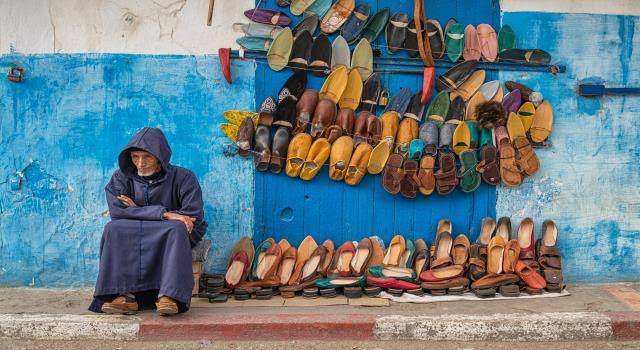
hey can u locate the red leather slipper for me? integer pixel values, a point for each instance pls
(225, 63)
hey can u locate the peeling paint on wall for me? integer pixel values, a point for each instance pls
(589, 178)
(61, 131)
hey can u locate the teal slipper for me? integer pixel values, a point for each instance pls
(506, 38)
(475, 134)
(455, 42)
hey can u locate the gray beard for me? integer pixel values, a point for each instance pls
(147, 174)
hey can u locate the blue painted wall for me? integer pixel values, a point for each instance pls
(589, 179)
(62, 129)
(291, 208)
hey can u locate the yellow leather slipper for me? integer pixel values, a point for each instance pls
(318, 155)
(297, 153)
(470, 86)
(390, 121)
(461, 138)
(474, 101)
(378, 158)
(515, 127)
(341, 152)
(353, 92)
(542, 123)
(358, 164)
(334, 85)
(526, 113)
(407, 131)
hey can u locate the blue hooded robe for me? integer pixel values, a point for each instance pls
(140, 252)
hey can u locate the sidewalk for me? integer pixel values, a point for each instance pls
(591, 312)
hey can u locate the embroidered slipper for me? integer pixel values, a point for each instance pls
(266, 16)
(301, 52)
(309, 23)
(488, 42)
(251, 43)
(358, 164)
(396, 32)
(470, 86)
(393, 174)
(334, 85)
(542, 123)
(355, 24)
(461, 139)
(439, 108)
(340, 53)
(506, 38)
(352, 94)
(320, 56)
(454, 41)
(436, 38)
(257, 30)
(318, 155)
(337, 15)
(341, 152)
(371, 93)
(472, 46)
(375, 25)
(362, 59)
(280, 50)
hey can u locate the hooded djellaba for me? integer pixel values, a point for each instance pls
(143, 256)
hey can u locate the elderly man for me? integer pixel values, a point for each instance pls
(156, 217)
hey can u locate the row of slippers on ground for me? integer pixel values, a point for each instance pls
(472, 116)
(499, 260)
(355, 23)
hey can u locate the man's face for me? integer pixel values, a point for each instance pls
(145, 163)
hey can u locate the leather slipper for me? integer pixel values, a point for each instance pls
(301, 52)
(388, 282)
(436, 38)
(529, 276)
(511, 255)
(304, 110)
(477, 264)
(535, 56)
(428, 82)
(470, 86)
(371, 93)
(238, 267)
(358, 164)
(320, 56)
(509, 290)
(355, 24)
(490, 89)
(309, 23)
(526, 158)
(416, 147)
(378, 159)
(475, 134)
(409, 183)
(549, 257)
(377, 253)
(257, 30)
(493, 280)
(461, 139)
(279, 149)
(311, 268)
(525, 91)
(407, 131)
(374, 130)
(262, 150)
(352, 94)
(526, 241)
(297, 7)
(427, 181)
(542, 123)
(475, 100)
(411, 40)
(392, 256)
(266, 16)
(362, 59)
(454, 41)
(337, 15)
(361, 257)
(334, 85)
(495, 255)
(251, 43)
(416, 108)
(325, 264)
(512, 102)
(488, 166)
(472, 48)
(287, 265)
(399, 102)
(439, 108)
(509, 171)
(506, 38)
(504, 228)
(445, 138)
(323, 116)
(259, 257)
(456, 112)
(305, 250)
(393, 174)
(340, 53)
(244, 140)
(460, 250)
(469, 177)
(488, 42)
(280, 50)
(341, 151)
(341, 264)
(422, 257)
(446, 177)
(396, 32)
(526, 113)
(318, 155)
(318, 8)
(375, 25)
(455, 76)
(360, 128)
(294, 87)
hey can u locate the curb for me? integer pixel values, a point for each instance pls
(514, 327)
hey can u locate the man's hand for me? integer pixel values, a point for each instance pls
(186, 220)
(128, 202)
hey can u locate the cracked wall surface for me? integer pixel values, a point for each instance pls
(118, 26)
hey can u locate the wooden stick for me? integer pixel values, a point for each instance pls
(210, 13)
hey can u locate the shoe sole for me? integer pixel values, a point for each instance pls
(115, 311)
(166, 312)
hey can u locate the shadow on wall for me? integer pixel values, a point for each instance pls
(61, 130)
(589, 179)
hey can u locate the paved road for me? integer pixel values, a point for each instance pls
(319, 345)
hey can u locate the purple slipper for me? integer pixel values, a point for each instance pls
(512, 101)
(266, 16)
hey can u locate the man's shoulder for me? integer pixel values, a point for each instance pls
(183, 172)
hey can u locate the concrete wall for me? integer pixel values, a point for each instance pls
(99, 70)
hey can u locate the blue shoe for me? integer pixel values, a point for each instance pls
(252, 43)
(355, 24)
(416, 147)
(399, 102)
(319, 8)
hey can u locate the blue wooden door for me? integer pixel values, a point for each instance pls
(291, 208)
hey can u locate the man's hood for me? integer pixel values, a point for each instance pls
(151, 140)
